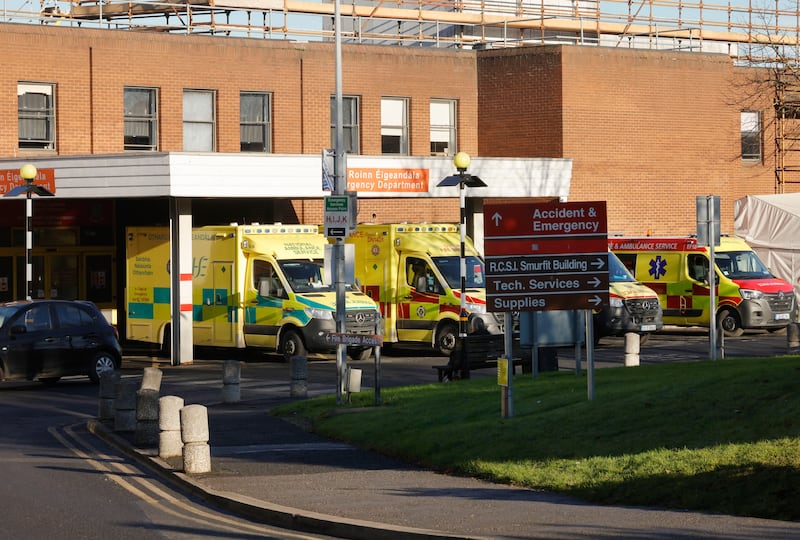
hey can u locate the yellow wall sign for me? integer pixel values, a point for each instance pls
(502, 372)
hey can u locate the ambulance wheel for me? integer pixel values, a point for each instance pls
(446, 338)
(292, 344)
(361, 355)
(728, 321)
(166, 343)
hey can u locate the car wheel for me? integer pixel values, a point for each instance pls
(446, 338)
(291, 344)
(101, 362)
(728, 321)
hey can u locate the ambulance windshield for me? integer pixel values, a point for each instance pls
(306, 276)
(617, 273)
(741, 265)
(450, 268)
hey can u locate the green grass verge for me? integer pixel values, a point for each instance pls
(718, 436)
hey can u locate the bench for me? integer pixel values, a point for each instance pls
(482, 352)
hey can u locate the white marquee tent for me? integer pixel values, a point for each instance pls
(770, 224)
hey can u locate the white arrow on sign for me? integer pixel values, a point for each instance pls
(599, 263)
(596, 300)
(596, 281)
(497, 219)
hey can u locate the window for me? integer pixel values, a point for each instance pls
(255, 122)
(141, 119)
(349, 123)
(751, 136)
(36, 115)
(198, 121)
(71, 316)
(443, 127)
(394, 126)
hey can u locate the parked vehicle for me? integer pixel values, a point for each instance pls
(748, 295)
(413, 272)
(50, 339)
(254, 286)
(632, 307)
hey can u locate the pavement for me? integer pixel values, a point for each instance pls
(273, 471)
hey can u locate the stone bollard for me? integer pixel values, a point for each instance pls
(151, 379)
(146, 417)
(231, 377)
(793, 338)
(106, 406)
(632, 349)
(298, 386)
(194, 434)
(170, 443)
(125, 406)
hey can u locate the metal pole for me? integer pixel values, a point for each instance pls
(28, 243)
(340, 185)
(712, 299)
(462, 321)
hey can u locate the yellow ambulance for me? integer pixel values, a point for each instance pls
(413, 272)
(748, 295)
(259, 286)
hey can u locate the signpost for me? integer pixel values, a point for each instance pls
(546, 257)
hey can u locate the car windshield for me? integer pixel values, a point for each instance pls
(306, 276)
(450, 268)
(741, 265)
(617, 273)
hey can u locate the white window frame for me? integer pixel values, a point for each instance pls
(31, 120)
(351, 106)
(394, 125)
(751, 136)
(141, 120)
(199, 120)
(443, 127)
(260, 125)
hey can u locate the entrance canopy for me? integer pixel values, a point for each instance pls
(194, 175)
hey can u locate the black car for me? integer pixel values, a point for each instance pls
(50, 339)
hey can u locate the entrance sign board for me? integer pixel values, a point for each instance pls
(548, 256)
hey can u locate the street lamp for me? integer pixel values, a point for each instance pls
(463, 179)
(28, 173)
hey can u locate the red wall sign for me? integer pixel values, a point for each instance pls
(546, 256)
(10, 179)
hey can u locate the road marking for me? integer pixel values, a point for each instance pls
(150, 491)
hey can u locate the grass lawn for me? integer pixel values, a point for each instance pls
(718, 436)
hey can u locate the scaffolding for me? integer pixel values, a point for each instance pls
(739, 28)
(787, 128)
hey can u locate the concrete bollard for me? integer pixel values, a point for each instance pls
(170, 442)
(125, 406)
(194, 434)
(298, 387)
(146, 417)
(793, 338)
(632, 340)
(106, 405)
(152, 379)
(231, 379)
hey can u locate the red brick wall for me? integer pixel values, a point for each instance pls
(647, 131)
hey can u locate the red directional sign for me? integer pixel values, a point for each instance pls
(546, 256)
